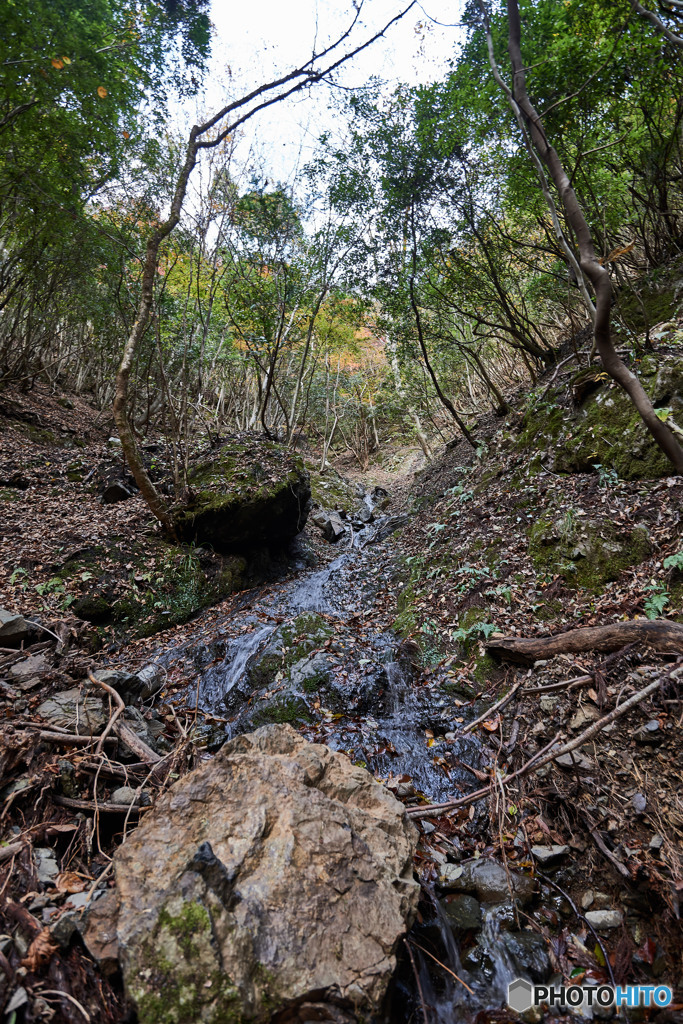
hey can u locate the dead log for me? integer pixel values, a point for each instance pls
(658, 633)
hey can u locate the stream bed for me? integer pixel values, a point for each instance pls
(315, 649)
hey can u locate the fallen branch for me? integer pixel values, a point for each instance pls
(666, 636)
(119, 710)
(97, 806)
(599, 842)
(496, 707)
(11, 850)
(533, 764)
(124, 732)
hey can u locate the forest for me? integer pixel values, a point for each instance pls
(341, 574)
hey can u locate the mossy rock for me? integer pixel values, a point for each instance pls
(249, 494)
(279, 709)
(332, 491)
(608, 431)
(167, 584)
(586, 553)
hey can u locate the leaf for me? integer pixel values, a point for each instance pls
(101, 91)
(40, 951)
(491, 724)
(66, 60)
(71, 882)
(57, 63)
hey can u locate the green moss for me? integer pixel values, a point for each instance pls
(172, 985)
(586, 554)
(484, 668)
(288, 709)
(9, 494)
(329, 490)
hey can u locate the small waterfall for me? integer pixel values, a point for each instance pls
(310, 595)
(219, 680)
(397, 685)
(504, 968)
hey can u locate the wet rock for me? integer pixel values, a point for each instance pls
(462, 912)
(488, 879)
(272, 875)
(548, 854)
(529, 953)
(14, 629)
(575, 759)
(330, 525)
(604, 920)
(249, 494)
(74, 711)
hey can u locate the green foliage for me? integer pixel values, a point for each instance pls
(658, 600)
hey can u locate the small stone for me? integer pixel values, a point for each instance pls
(47, 868)
(604, 920)
(602, 900)
(13, 628)
(123, 795)
(582, 718)
(540, 663)
(639, 803)
(546, 854)
(547, 703)
(574, 760)
(656, 843)
(64, 928)
(29, 667)
(587, 899)
(427, 827)
(98, 931)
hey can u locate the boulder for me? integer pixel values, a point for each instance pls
(249, 494)
(274, 876)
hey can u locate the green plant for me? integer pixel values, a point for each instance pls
(17, 574)
(657, 601)
(607, 477)
(674, 561)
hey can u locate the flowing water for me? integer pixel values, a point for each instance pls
(312, 650)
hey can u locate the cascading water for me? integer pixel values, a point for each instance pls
(218, 680)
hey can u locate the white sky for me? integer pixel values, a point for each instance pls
(258, 39)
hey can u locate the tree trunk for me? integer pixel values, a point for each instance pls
(594, 271)
(658, 633)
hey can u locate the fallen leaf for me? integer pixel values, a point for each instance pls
(40, 951)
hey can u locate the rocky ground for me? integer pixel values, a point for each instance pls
(571, 869)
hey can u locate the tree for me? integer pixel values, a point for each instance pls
(531, 126)
(211, 133)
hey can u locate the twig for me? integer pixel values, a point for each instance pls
(599, 842)
(65, 995)
(496, 707)
(564, 684)
(92, 805)
(10, 850)
(417, 944)
(45, 629)
(581, 917)
(417, 981)
(119, 709)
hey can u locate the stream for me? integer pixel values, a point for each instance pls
(315, 650)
